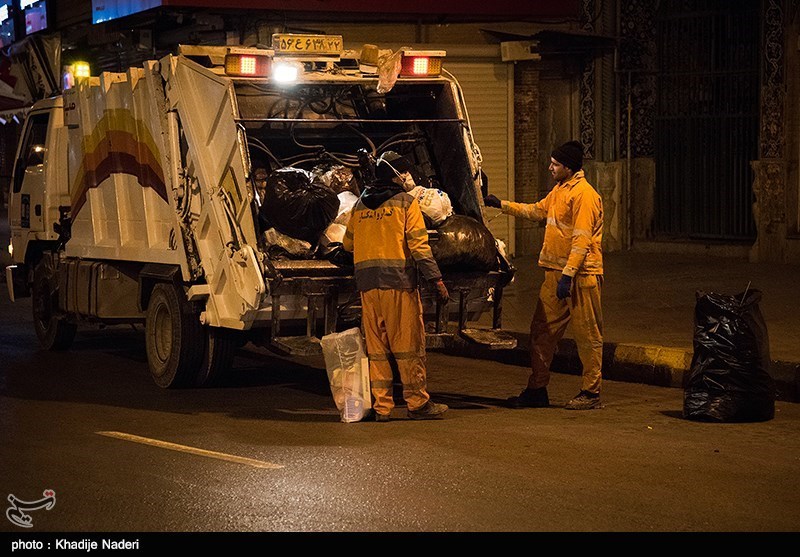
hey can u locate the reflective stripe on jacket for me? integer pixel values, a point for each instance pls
(574, 233)
(387, 242)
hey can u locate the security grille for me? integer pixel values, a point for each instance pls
(706, 130)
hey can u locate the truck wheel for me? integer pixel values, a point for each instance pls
(217, 357)
(173, 337)
(54, 331)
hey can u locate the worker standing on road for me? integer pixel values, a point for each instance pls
(389, 241)
(572, 258)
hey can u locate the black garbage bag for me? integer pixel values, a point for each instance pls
(298, 204)
(464, 244)
(729, 379)
(335, 253)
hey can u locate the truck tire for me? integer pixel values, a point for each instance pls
(53, 330)
(173, 337)
(217, 357)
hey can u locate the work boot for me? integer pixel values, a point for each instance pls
(428, 411)
(373, 416)
(530, 398)
(584, 400)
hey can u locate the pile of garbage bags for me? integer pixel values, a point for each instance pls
(305, 214)
(297, 203)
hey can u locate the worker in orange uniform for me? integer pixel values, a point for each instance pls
(572, 258)
(389, 241)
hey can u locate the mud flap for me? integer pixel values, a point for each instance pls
(17, 282)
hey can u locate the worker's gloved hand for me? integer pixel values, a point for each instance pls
(564, 284)
(441, 291)
(492, 201)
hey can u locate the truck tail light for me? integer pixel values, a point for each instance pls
(248, 65)
(426, 63)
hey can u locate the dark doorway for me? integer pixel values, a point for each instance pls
(707, 118)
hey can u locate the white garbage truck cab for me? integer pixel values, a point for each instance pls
(161, 196)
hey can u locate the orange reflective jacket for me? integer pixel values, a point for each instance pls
(389, 244)
(574, 231)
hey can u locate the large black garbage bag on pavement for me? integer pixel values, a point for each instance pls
(298, 204)
(464, 244)
(729, 379)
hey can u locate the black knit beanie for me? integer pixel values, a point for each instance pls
(570, 155)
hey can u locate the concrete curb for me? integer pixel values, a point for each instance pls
(633, 363)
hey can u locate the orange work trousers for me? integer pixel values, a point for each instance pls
(393, 324)
(582, 311)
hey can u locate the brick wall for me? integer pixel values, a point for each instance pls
(526, 153)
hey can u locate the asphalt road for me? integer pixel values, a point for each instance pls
(91, 425)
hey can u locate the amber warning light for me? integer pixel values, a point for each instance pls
(247, 65)
(421, 63)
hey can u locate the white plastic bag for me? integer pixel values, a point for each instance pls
(333, 234)
(389, 64)
(434, 203)
(347, 201)
(348, 373)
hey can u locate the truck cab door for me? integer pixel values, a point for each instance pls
(26, 199)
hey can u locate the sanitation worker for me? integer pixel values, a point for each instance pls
(572, 259)
(389, 241)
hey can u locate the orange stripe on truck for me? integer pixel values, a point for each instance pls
(117, 151)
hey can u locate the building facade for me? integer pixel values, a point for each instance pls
(687, 111)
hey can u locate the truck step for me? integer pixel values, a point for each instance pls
(297, 345)
(493, 339)
(438, 340)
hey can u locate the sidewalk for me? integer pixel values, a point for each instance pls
(648, 312)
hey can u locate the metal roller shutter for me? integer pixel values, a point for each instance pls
(488, 90)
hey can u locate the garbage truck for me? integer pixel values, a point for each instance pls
(198, 196)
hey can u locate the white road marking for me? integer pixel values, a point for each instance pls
(188, 449)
